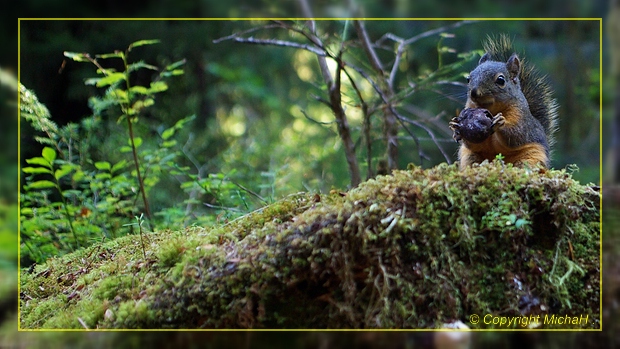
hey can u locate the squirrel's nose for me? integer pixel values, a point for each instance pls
(474, 93)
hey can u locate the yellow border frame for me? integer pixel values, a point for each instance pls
(482, 19)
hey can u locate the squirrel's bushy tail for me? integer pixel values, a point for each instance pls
(535, 87)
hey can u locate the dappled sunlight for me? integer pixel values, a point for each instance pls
(302, 63)
(233, 123)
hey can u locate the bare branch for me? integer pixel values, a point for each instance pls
(335, 97)
(322, 100)
(311, 36)
(366, 125)
(216, 207)
(374, 84)
(370, 52)
(251, 30)
(254, 194)
(314, 39)
(386, 36)
(389, 120)
(322, 123)
(399, 53)
(274, 42)
(402, 119)
(402, 43)
(436, 31)
(446, 96)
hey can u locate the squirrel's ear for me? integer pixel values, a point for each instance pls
(484, 58)
(513, 65)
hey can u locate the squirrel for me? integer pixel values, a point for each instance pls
(510, 110)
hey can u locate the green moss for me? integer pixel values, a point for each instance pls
(415, 249)
(170, 253)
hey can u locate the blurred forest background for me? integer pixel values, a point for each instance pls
(249, 101)
(256, 122)
(256, 127)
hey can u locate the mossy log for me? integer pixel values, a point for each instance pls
(414, 249)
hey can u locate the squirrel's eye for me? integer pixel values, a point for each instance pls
(501, 81)
(467, 79)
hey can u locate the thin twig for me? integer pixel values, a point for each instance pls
(401, 118)
(140, 221)
(221, 207)
(322, 123)
(83, 323)
(322, 100)
(399, 53)
(375, 62)
(420, 125)
(250, 192)
(283, 43)
(389, 119)
(366, 125)
(436, 31)
(335, 95)
(251, 30)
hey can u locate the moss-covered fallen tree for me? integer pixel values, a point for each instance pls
(415, 249)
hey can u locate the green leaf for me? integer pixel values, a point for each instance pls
(139, 65)
(117, 54)
(119, 165)
(158, 86)
(176, 64)
(175, 72)
(137, 142)
(49, 154)
(36, 170)
(139, 90)
(78, 57)
(125, 149)
(63, 171)
(71, 193)
(103, 165)
(41, 185)
(179, 124)
(106, 71)
(521, 222)
(139, 105)
(142, 43)
(111, 200)
(78, 175)
(102, 176)
(187, 184)
(119, 95)
(168, 133)
(111, 79)
(44, 140)
(169, 144)
(168, 158)
(92, 81)
(510, 219)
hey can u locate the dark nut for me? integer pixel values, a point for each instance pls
(475, 124)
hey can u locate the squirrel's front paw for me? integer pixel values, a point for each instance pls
(455, 126)
(498, 121)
